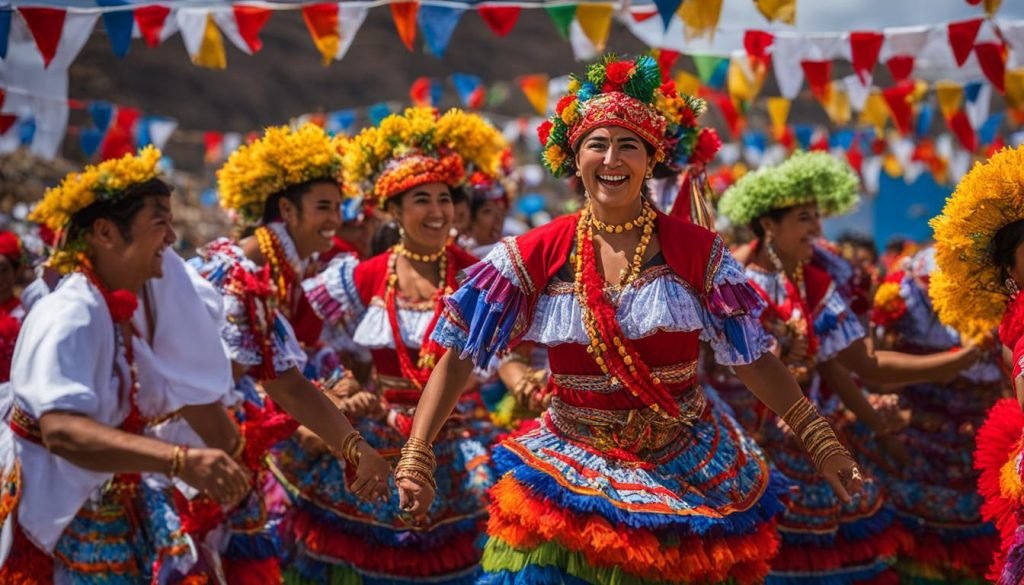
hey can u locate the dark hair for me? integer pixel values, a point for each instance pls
(859, 240)
(660, 171)
(1005, 244)
(774, 215)
(293, 193)
(120, 210)
(387, 235)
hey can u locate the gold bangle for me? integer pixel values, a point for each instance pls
(178, 455)
(349, 447)
(239, 447)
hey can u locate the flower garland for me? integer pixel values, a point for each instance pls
(889, 306)
(430, 351)
(623, 363)
(279, 270)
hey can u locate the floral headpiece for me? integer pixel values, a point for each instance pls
(107, 181)
(484, 187)
(281, 158)
(11, 247)
(418, 147)
(630, 94)
(967, 290)
(805, 177)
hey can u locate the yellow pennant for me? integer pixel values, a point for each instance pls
(875, 112)
(1014, 82)
(687, 83)
(950, 95)
(596, 22)
(700, 17)
(892, 166)
(778, 111)
(992, 6)
(744, 79)
(211, 50)
(837, 104)
(535, 87)
(781, 10)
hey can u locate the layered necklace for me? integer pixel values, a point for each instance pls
(281, 270)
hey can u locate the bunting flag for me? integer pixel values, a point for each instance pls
(778, 112)
(89, 139)
(378, 112)
(950, 96)
(745, 79)
(102, 114)
(667, 10)
(322, 22)
(837, 104)
(757, 43)
(962, 35)
(900, 67)
(865, 47)
(992, 59)
(350, 19)
(470, 89)
(898, 99)
(875, 112)
(340, 121)
(1014, 86)
(712, 70)
(786, 52)
(535, 87)
(687, 83)
(732, 117)
(249, 20)
(202, 39)
(782, 10)
(150, 20)
(666, 59)
(213, 142)
(925, 115)
(404, 15)
(988, 132)
(963, 131)
(562, 16)
(46, 26)
(500, 19)
(438, 22)
(818, 74)
(5, 33)
(119, 25)
(700, 17)
(426, 91)
(596, 22)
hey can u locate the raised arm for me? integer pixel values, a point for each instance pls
(893, 367)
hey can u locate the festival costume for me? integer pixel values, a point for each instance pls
(935, 495)
(340, 538)
(970, 295)
(73, 525)
(823, 541)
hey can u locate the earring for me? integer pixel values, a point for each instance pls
(650, 173)
(770, 249)
(1011, 286)
(579, 173)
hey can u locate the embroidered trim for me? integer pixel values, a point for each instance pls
(512, 248)
(672, 374)
(714, 262)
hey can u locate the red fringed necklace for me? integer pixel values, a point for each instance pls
(609, 346)
(795, 298)
(279, 269)
(430, 351)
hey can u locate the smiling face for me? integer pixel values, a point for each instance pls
(613, 163)
(488, 222)
(425, 213)
(793, 234)
(315, 220)
(135, 249)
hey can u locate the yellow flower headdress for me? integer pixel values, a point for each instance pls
(281, 158)
(967, 290)
(418, 147)
(106, 181)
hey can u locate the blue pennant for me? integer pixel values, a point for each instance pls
(119, 24)
(5, 29)
(987, 132)
(378, 112)
(90, 140)
(465, 85)
(102, 113)
(925, 115)
(438, 23)
(667, 9)
(341, 121)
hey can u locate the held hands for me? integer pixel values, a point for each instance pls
(372, 473)
(415, 497)
(215, 473)
(843, 474)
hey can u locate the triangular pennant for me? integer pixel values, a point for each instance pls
(341, 121)
(438, 22)
(641, 14)
(978, 105)
(250, 20)
(127, 118)
(992, 6)
(733, 119)
(211, 49)
(786, 54)
(988, 131)
(6, 122)
(232, 140)
(90, 139)
(78, 27)
(119, 25)
(213, 142)
(712, 70)
(419, 92)
(963, 131)
(992, 58)
(322, 22)
(875, 112)
(898, 100)
(46, 26)
(351, 18)
(756, 43)
(378, 112)
(962, 35)
(500, 19)
(864, 49)
(778, 112)
(804, 134)
(151, 22)
(900, 67)
(160, 131)
(837, 104)
(596, 22)
(687, 83)
(5, 31)
(950, 96)
(404, 15)
(857, 91)
(925, 115)
(818, 74)
(469, 88)
(700, 17)
(1014, 86)
(667, 10)
(102, 114)
(781, 10)
(535, 87)
(745, 79)
(562, 16)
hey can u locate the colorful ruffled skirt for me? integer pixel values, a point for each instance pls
(1001, 484)
(935, 496)
(823, 540)
(338, 538)
(572, 508)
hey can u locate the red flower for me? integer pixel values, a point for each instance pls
(618, 72)
(564, 103)
(687, 118)
(669, 88)
(122, 304)
(708, 144)
(609, 87)
(544, 131)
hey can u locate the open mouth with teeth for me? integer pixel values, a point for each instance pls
(610, 180)
(328, 234)
(434, 225)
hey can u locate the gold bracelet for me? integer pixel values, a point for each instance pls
(239, 447)
(178, 455)
(349, 447)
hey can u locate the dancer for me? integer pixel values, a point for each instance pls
(634, 476)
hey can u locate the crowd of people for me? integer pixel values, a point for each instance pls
(375, 382)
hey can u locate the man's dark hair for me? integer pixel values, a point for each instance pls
(120, 210)
(293, 193)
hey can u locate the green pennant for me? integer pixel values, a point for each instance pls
(707, 68)
(562, 16)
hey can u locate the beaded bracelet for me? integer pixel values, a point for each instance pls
(814, 432)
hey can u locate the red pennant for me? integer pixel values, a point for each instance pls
(6, 121)
(117, 142)
(818, 74)
(250, 21)
(821, 143)
(900, 66)
(126, 118)
(864, 48)
(404, 15)
(788, 138)
(961, 38)
(500, 19)
(214, 143)
(897, 98)
(960, 124)
(3, 98)
(729, 112)
(756, 43)
(992, 58)
(46, 25)
(854, 156)
(419, 92)
(151, 22)
(642, 15)
(995, 147)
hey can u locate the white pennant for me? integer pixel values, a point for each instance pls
(231, 142)
(857, 92)
(912, 171)
(1017, 138)
(77, 29)
(582, 48)
(907, 40)
(977, 111)
(959, 165)
(350, 20)
(828, 46)
(192, 22)
(225, 19)
(160, 132)
(871, 171)
(729, 153)
(511, 131)
(944, 146)
(1013, 32)
(787, 52)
